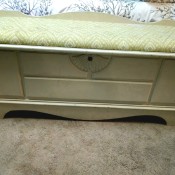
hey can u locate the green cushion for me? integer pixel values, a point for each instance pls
(70, 33)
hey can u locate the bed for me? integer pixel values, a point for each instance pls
(87, 66)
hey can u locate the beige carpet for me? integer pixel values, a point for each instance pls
(44, 147)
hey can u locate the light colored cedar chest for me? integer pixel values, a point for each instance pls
(47, 80)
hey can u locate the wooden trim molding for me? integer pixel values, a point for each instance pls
(89, 111)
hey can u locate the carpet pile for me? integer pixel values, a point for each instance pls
(53, 147)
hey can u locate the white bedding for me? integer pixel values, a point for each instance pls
(135, 10)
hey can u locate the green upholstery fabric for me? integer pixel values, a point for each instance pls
(45, 31)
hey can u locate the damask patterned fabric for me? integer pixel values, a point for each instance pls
(138, 10)
(134, 10)
(45, 31)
